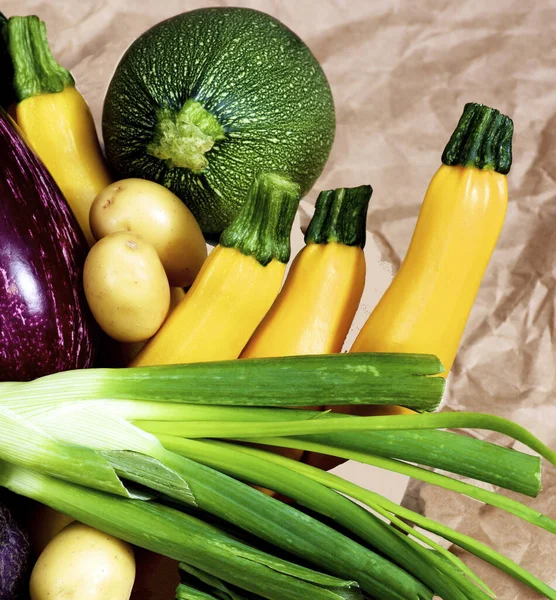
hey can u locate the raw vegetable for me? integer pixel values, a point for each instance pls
(45, 324)
(395, 513)
(486, 462)
(15, 554)
(181, 536)
(237, 284)
(54, 407)
(375, 533)
(81, 563)
(286, 381)
(56, 119)
(315, 308)
(126, 287)
(160, 218)
(204, 101)
(426, 307)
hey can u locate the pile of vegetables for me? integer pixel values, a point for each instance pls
(198, 452)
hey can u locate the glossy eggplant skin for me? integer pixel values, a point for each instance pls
(45, 323)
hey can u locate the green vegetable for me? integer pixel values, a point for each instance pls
(289, 381)
(484, 461)
(207, 99)
(374, 532)
(493, 499)
(88, 414)
(197, 584)
(180, 536)
(390, 510)
(141, 459)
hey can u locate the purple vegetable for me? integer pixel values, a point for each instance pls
(45, 323)
(15, 557)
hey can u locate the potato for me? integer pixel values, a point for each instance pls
(81, 563)
(126, 287)
(159, 217)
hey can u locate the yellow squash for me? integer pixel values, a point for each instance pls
(56, 119)
(427, 305)
(237, 284)
(315, 309)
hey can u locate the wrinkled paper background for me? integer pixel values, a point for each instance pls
(400, 73)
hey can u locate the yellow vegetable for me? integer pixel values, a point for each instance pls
(160, 218)
(426, 307)
(236, 285)
(314, 310)
(81, 563)
(56, 119)
(126, 287)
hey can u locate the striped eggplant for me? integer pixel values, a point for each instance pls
(45, 324)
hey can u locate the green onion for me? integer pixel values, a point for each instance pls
(235, 502)
(186, 592)
(440, 577)
(443, 450)
(182, 537)
(390, 509)
(201, 429)
(205, 581)
(511, 506)
(25, 445)
(365, 378)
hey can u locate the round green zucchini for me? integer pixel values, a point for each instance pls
(204, 101)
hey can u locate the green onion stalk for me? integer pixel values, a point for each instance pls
(182, 537)
(118, 418)
(443, 450)
(140, 458)
(438, 574)
(472, 491)
(365, 378)
(396, 513)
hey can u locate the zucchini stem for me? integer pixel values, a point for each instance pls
(340, 216)
(183, 137)
(36, 71)
(262, 228)
(481, 140)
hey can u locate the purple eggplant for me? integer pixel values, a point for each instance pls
(45, 323)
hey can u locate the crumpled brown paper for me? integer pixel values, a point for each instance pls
(400, 73)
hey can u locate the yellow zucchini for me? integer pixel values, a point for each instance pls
(237, 284)
(56, 119)
(316, 306)
(427, 305)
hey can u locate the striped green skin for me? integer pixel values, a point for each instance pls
(258, 79)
